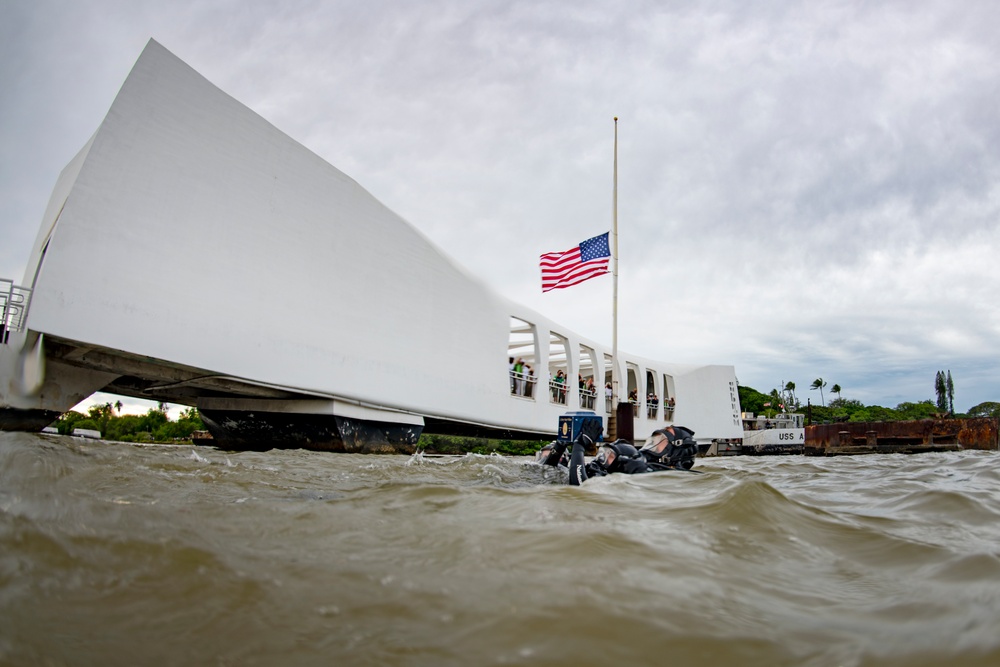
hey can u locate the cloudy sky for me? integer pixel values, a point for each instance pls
(806, 189)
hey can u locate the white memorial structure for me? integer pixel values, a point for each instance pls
(193, 253)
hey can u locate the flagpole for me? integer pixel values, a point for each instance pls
(613, 418)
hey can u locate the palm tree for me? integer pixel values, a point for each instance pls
(790, 390)
(836, 390)
(775, 401)
(818, 383)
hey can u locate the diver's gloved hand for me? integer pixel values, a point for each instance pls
(577, 460)
(595, 469)
(552, 453)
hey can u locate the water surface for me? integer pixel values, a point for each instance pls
(118, 554)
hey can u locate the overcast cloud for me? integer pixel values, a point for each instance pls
(806, 189)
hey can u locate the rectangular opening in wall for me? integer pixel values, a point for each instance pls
(559, 370)
(587, 378)
(652, 395)
(608, 401)
(522, 356)
(668, 397)
(633, 388)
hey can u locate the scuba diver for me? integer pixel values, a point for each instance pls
(670, 448)
(674, 446)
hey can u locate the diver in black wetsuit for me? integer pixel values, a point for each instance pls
(672, 448)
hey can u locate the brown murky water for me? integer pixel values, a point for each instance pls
(116, 554)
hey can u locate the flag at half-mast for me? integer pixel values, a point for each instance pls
(579, 263)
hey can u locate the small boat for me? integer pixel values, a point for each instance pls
(202, 438)
(784, 433)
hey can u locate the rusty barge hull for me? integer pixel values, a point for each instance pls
(907, 437)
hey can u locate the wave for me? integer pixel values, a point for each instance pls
(167, 554)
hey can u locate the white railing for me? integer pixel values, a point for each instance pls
(522, 384)
(558, 392)
(653, 408)
(13, 306)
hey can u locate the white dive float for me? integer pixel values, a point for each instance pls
(193, 253)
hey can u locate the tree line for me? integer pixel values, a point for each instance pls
(847, 409)
(154, 426)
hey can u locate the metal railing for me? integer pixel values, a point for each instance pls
(653, 407)
(522, 384)
(13, 307)
(558, 392)
(588, 398)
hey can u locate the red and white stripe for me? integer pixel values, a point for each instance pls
(564, 269)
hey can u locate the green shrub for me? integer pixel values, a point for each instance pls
(447, 444)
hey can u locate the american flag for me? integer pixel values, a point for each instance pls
(579, 263)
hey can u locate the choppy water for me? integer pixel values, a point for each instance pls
(115, 554)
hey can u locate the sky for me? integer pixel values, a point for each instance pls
(805, 189)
